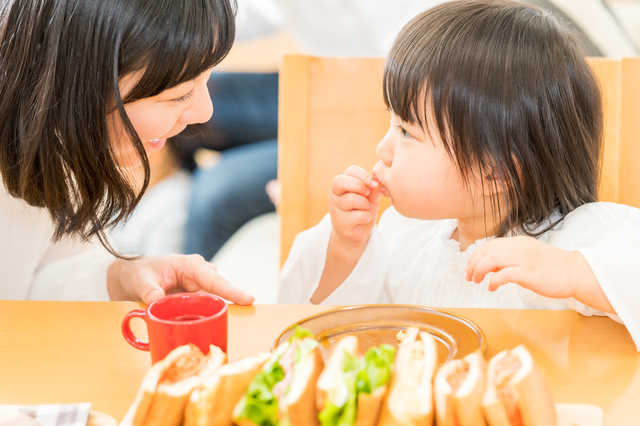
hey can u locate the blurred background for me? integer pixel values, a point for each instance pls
(214, 188)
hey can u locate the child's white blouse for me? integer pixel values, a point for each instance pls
(416, 262)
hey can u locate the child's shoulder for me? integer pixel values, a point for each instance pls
(594, 223)
(605, 214)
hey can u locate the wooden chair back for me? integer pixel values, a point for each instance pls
(332, 115)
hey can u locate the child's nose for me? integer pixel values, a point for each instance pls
(384, 152)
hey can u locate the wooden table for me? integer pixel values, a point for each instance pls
(66, 352)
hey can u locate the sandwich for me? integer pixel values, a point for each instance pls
(458, 387)
(283, 392)
(516, 393)
(167, 385)
(410, 397)
(351, 388)
(212, 403)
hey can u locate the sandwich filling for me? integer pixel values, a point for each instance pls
(185, 366)
(358, 375)
(457, 377)
(506, 368)
(275, 379)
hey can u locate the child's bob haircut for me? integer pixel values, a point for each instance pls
(513, 100)
(61, 61)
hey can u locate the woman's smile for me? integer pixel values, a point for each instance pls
(156, 144)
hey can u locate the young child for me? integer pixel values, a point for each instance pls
(491, 164)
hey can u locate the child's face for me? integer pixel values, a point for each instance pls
(420, 178)
(160, 117)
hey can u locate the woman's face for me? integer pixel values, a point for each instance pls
(160, 117)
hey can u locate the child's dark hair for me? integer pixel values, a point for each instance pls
(513, 99)
(61, 61)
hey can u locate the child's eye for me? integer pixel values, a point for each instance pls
(404, 133)
(182, 98)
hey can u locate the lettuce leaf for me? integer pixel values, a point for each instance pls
(345, 415)
(304, 347)
(350, 362)
(376, 368)
(301, 333)
(261, 406)
(360, 375)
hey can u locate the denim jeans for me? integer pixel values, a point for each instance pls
(244, 128)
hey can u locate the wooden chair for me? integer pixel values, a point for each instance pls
(332, 115)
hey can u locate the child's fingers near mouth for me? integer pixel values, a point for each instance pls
(343, 184)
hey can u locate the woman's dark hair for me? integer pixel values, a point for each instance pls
(60, 63)
(512, 97)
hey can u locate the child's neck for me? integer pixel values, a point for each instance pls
(473, 229)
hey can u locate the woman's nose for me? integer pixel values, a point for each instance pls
(200, 108)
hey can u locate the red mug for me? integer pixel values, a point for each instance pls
(179, 319)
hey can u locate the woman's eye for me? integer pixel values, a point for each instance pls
(183, 98)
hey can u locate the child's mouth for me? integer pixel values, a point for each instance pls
(383, 189)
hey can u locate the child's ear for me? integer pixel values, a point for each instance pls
(492, 183)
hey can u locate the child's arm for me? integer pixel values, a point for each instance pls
(353, 206)
(544, 269)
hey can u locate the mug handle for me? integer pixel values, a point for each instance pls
(128, 334)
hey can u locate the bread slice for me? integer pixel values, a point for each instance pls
(174, 389)
(139, 410)
(329, 381)
(299, 402)
(459, 387)
(369, 406)
(410, 397)
(212, 403)
(516, 392)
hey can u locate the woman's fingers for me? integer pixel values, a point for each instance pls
(151, 291)
(199, 274)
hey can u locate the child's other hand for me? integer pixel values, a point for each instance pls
(526, 261)
(353, 205)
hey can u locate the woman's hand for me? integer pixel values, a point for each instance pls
(152, 277)
(539, 267)
(353, 205)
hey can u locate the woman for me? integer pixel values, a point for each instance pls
(89, 88)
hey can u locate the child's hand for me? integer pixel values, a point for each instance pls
(526, 261)
(353, 205)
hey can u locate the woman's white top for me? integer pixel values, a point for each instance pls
(34, 268)
(416, 262)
